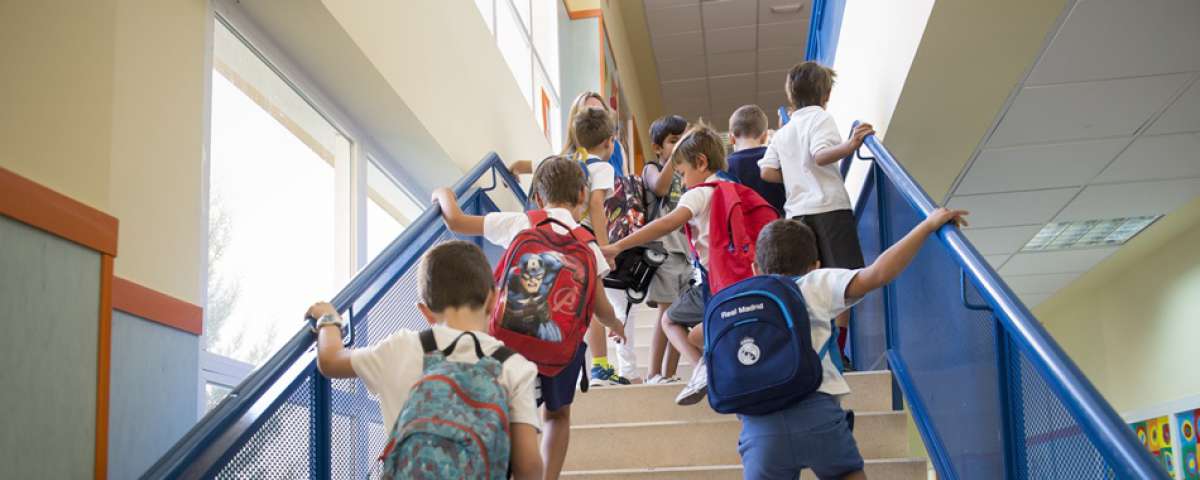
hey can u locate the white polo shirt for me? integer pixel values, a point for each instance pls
(810, 188)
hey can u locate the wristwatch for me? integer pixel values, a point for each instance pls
(330, 319)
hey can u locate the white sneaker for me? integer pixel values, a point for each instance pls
(661, 380)
(696, 388)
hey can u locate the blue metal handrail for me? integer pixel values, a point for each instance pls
(227, 425)
(1099, 422)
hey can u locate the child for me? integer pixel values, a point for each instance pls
(664, 186)
(817, 428)
(593, 129)
(585, 100)
(748, 134)
(699, 156)
(457, 295)
(561, 189)
(803, 156)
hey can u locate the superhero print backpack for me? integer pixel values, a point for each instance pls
(626, 208)
(546, 282)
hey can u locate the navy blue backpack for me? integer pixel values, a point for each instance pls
(758, 347)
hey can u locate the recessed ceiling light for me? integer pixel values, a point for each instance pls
(1088, 233)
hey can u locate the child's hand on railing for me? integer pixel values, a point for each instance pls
(944, 215)
(860, 133)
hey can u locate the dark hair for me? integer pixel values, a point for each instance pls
(701, 139)
(592, 127)
(808, 84)
(665, 127)
(559, 180)
(454, 274)
(785, 247)
(748, 121)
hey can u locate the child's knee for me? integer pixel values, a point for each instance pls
(563, 413)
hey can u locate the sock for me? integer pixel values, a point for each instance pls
(601, 362)
(842, 334)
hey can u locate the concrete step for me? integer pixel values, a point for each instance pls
(706, 442)
(886, 469)
(870, 392)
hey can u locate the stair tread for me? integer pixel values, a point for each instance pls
(707, 421)
(701, 468)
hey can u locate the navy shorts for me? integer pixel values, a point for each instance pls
(559, 391)
(814, 433)
(836, 233)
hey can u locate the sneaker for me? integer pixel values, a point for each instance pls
(696, 388)
(606, 376)
(661, 380)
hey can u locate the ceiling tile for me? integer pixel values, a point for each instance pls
(779, 11)
(681, 69)
(783, 35)
(737, 39)
(685, 89)
(731, 63)
(1001, 240)
(1182, 116)
(772, 80)
(1156, 158)
(996, 261)
(717, 121)
(1014, 208)
(729, 13)
(690, 108)
(677, 46)
(1130, 199)
(723, 107)
(771, 101)
(1064, 261)
(668, 21)
(1084, 110)
(653, 4)
(732, 85)
(770, 59)
(1036, 167)
(1044, 284)
(1114, 38)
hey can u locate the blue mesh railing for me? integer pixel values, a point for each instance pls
(992, 394)
(286, 420)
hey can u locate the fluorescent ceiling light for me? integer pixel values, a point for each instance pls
(1088, 233)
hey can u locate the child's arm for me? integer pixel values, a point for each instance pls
(456, 220)
(599, 219)
(526, 457)
(521, 166)
(893, 260)
(333, 359)
(660, 180)
(606, 315)
(833, 154)
(771, 174)
(653, 231)
(769, 167)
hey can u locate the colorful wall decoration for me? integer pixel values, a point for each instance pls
(1155, 435)
(1185, 424)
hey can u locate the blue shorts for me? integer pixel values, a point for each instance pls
(559, 391)
(814, 433)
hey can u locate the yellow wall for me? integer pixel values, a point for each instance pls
(626, 24)
(104, 102)
(1132, 323)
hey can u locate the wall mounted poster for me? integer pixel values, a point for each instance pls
(1185, 424)
(1155, 435)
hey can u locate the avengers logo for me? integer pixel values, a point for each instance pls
(564, 299)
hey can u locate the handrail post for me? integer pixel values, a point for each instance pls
(320, 428)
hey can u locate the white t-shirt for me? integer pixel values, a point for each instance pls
(810, 188)
(824, 292)
(501, 228)
(601, 175)
(391, 367)
(698, 201)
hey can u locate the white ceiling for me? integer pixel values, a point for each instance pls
(1106, 125)
(716, 55)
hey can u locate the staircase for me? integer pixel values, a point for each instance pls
(637, 431)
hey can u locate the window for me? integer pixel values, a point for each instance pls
(389, 209)
(526, 32)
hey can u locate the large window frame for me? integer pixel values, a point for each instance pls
(352, 189)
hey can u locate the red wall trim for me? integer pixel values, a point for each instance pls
(158, 307)
(104, 357)
(26, 201)
(580, 14)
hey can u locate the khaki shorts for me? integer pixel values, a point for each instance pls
(670, 280)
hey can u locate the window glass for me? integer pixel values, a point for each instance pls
(271, 205)
(213, 394)
(486, 10)
(389, 210)
(545, 39)
(514, 47)
(523, 11)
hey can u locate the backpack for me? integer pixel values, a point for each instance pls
(455, 422)
(657, 206)
(626, 208)
(546, 282)
(737, 214)
(758, 347)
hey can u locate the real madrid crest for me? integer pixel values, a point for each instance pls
(748, 354)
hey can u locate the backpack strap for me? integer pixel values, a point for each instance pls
(537, 217)
(428, 342)
(502, 354)
(583, 235)
(448, 350)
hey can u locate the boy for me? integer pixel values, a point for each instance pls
(664, 186)
(457, 295)
(594, 130)
(815, 433)
(748, 134)
(803, 156)
(561, 189)
(699, 156)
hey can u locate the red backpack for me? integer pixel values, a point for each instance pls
(737, 214)
(546, 283)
